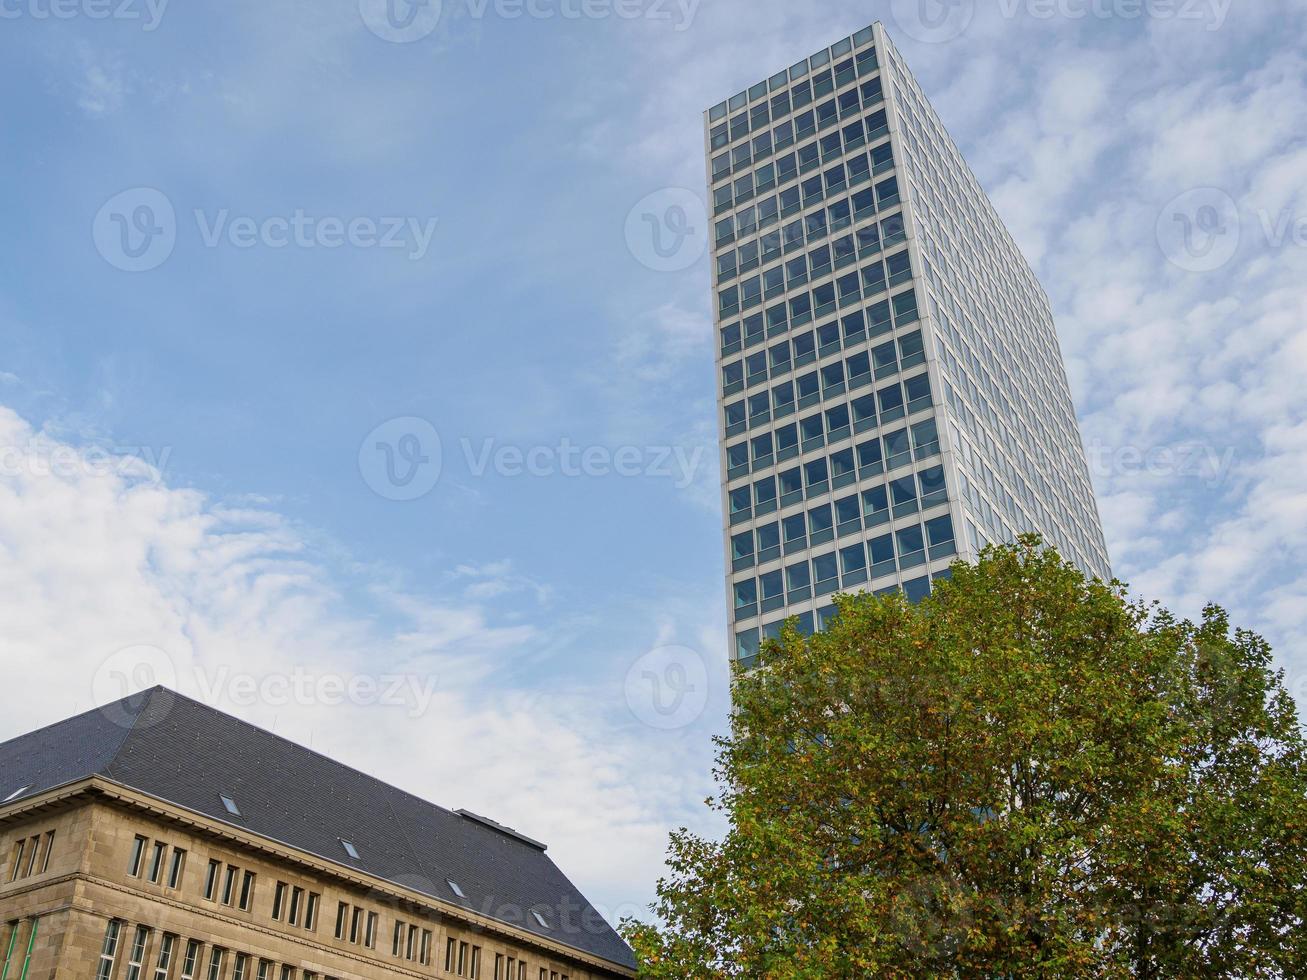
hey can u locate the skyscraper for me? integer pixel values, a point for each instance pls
(892, 395)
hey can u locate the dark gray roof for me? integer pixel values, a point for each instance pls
(186, 753)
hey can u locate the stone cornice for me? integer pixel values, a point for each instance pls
(105, 790)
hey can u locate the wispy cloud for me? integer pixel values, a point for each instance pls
(103, 84)
(113, 580)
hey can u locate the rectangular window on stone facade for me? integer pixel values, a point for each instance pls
(216, 956)
(191, 961)
(247, 892)
(16, 861)
(425, 955)
(175, 867)
(138, 856)
(163, 965)
(211, 879)
(156, 861)
(31, 944)
(229, 884)
(109, 950)
(136, 956)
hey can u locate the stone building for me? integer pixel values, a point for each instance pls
(159, 839)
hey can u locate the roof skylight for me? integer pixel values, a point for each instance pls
(15, 794)
(540, 918)
(230, 805)
(350, 849)
(453, 886)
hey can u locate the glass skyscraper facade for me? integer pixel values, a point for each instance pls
(891, 392)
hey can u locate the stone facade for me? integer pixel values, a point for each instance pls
(121, 883)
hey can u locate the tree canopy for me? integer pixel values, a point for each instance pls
(1025, 774)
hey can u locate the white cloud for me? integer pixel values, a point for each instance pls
(1163, 358)
(98, 560)
(1194, 124)
(103, 84)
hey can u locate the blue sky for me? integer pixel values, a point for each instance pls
(191, 479)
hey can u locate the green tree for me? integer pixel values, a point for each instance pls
(1026, 774)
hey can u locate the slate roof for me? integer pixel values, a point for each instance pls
(186, 753)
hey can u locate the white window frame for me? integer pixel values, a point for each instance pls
(109, 949)
(216, 956)
(136, 956)
(191, 958)
(163, 965)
